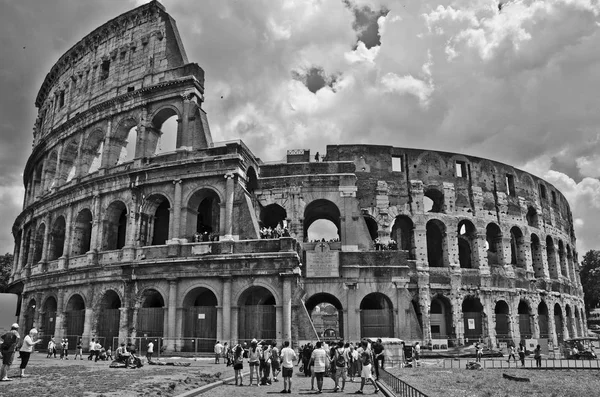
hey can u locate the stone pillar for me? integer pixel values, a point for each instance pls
(544, 255)
(47, 233)
(23, 311)
(420, 233)
(87, 323)
(403, 304)
(505, 255)
(552, 325)
(38, 312)
(490, 318)
(352, 326)
(233, 332)
(484, 267)
(458, 321)
(104, 161)
(128, 251)
(349, 218)
(287, 309)
(220, 324)
(134, 320)
(171, 311)
(22, 259)
(60, 316)
(96, 238)
(68, 232)
(425, 307)
(123, 323)
(451, 249)
(526, 249)
(278, 323)
(228, 232)
(226, 327)
(535, 325)
(175, 228)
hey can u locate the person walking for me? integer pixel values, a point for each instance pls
(378, 353)
(416, 353)
(218, 350)
(149, 351)
(340, 360)
(27, 348)
(275, 364)
(287, 356)
(319, 357)
(521, 352)
(365, 375)
(10, 340)
(92, 347)
(537, 354)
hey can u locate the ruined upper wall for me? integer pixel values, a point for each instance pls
(115, 58)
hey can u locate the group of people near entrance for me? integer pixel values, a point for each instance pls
(339, 361)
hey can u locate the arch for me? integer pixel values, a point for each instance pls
(372, 227)
(536, 256)
(403, 234)
(57, 239)
(251, 179)
(562, 259)
(436, 242)
(525, 316)
(472, 310)
(165, 131)
(68, 161)
(493, 237)
(200, 320)
(75, 318)
(37, 181)
(257, 317)
(29, 316)
(273, 215)
(115, 226)
(151, 314)
(569, 317)
(551, 255)
(82, 233)
(123, 143)
(502, 313)
(26, 248)
(326, 312)
(91, 152)
(376, 316)
(50, 169)
(436, 200)
(517, 248)
(467, 238)
(440, 317)
(155, 220)
(204, 213)
(543, 320)
(109, 317)
(47, 329)
(558, 323)
(532, 217)
(321, 209)
(38, 247)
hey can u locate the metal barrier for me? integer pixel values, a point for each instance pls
(398, 386)
(501, 363)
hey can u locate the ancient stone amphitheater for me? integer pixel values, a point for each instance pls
(131, 230)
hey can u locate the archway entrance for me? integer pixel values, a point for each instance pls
(151, 315)
(558, 323)
(376, 316)
(326, 313)
(29, 317)
(109, 317)
(48, 320)
(502, 320)
(543, 320)
(472, 316)
(75, 317)
(440, 318)
(199, 320)
(257, 318)
(524, 320)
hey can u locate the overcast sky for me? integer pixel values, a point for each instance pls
(518, 85)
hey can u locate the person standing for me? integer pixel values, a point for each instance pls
(10, 340)
(149, 351)
(319, 358)
(340, 360)
(275, 364)
(92, 346)
(478, 352)
(511, 353)
(287, 355)
(218, 350)
(28, 343)
(365, 375)
(65, 346)
(238, 364)
(254, 361)
(378, 352)
(51, 348)
(416, 353)
(78, 350)
(537, 354)
(521, 352)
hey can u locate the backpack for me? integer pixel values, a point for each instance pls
(340, 360)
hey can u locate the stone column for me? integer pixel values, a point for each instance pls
(38, 312)
(458, 321)
(123, 323)
(134, 319)
(226, 327)
(95, 240)
(47, 233)
(287, 309)
(60, 315)
(505, 255)
(484, 267)
(87, 323)
(220, 323)
(544, 256)
(552, 325)
(526, 249)
(535, 326)
(22, 259)
(228, 232)
(349, 218)
(424, 305)
(175, 229)
(352, 326)
(233, 332)
(68, 232)
(490, 318)
(172, 311)
(451, 249)
(420, 234)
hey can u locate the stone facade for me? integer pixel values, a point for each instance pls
(117, 240)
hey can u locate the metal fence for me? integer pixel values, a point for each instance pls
(547, 363)
(398, 386)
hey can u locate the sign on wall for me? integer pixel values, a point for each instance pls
(471, 323)
(322, 262)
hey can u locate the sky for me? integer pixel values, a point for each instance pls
(516, 82)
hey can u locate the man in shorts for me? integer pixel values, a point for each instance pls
(319, 357)
(367, 359)
(287, 355)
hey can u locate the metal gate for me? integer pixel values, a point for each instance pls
(473, 326)
(108, 324)
(543, 323)
(150, 321)
(74, 321)
(524, 326)
(257, 322)
(377, 323)
(199, 322)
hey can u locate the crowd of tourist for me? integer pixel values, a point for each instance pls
(277, 232)
(390, 245)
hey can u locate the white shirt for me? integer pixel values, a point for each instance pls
(288, 356)
(150, 347)
(218, 348)
(27, 344)
(92, 345)
(319, 356)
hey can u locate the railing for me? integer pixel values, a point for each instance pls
(398, 386)
(501, 363)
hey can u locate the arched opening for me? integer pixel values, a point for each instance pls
(543, 320)
(467, 237)
(200, 320)
(493, 237)
(50, 171)
(29, 316)
(48, 320)
(128, 147)
(402, 233)
(578, 328)
(326, 313)
(151, 315)
(257, 317)
(204, 215)
(38, 247)
(376, 316)
(372, 227)
(536, 256)
(251, 180)
(82, 233)
(473, 319)
(517, 248)
(551, 255)
(91, 153)
(569, 317)
(109, 315)
(433, 200)
(570, 264)
(155, 220)
(436, 235)
(502, 321)
(57, 239)
(37, 181)
(68, 162)
(524, 320)
(562, 259)
(321, 221)
(532, 217)
(115, 226)
(441, 318)
(75, 318)
(164, 134)
(272, 216)
(558, 323)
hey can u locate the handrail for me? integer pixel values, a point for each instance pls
(398, 386)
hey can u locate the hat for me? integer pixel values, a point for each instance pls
(15, 325)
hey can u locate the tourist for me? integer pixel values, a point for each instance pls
(97, 350)
(319, 357)
(416, 353)
(378, 353)
(79, 350)
(521, 352)
(238, 364)
(149, 351)
(254, 361)
(366, 359)
(109, 353)
(265, 364)
(354, 362)
(537, 354)
(340, 358)
(64, 353)
(478, 352)
(275, 364)
(511, 353)
(226, 354)
(10, 340)
(92, 346)
(51, 348)
(27, 348)
(218, 350)
(287, 355)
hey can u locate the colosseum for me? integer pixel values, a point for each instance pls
(132, 230)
